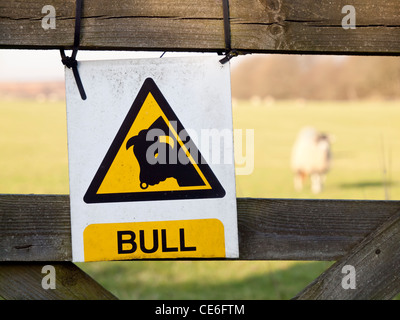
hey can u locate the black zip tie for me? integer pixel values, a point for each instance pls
(70, 62)
(229, 52)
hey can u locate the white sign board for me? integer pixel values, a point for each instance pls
(151, 160)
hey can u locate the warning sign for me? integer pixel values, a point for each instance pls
(152, 157)
(151, 160)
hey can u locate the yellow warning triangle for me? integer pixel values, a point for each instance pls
(152, 157)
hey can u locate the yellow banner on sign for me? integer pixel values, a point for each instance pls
(202, 238)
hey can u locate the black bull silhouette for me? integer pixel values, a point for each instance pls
(160, 156)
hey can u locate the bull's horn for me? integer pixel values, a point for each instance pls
(130, 142)
(167, 139)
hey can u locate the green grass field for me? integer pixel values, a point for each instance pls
(366, 152)
(365, 148)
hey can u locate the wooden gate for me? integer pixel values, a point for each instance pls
(35, 229)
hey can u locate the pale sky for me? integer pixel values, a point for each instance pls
(45, 65)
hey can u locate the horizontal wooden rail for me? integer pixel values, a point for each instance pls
(292, 26)
(37, 227)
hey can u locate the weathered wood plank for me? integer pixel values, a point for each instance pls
(297, 229)
(23, 281)
(37, 227)
(302, 26)
(376, 262)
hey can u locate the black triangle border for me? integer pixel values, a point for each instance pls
(91, 196)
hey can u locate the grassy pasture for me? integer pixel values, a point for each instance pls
(365, 148)
(33, 147)
(366, 151)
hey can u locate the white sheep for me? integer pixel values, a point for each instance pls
(311, 157)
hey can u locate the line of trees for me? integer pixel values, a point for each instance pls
(316, 77)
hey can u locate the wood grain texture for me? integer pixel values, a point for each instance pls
(296, 229)
(376, 262)
(23, 281)
(289, 26)
(37, 227)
